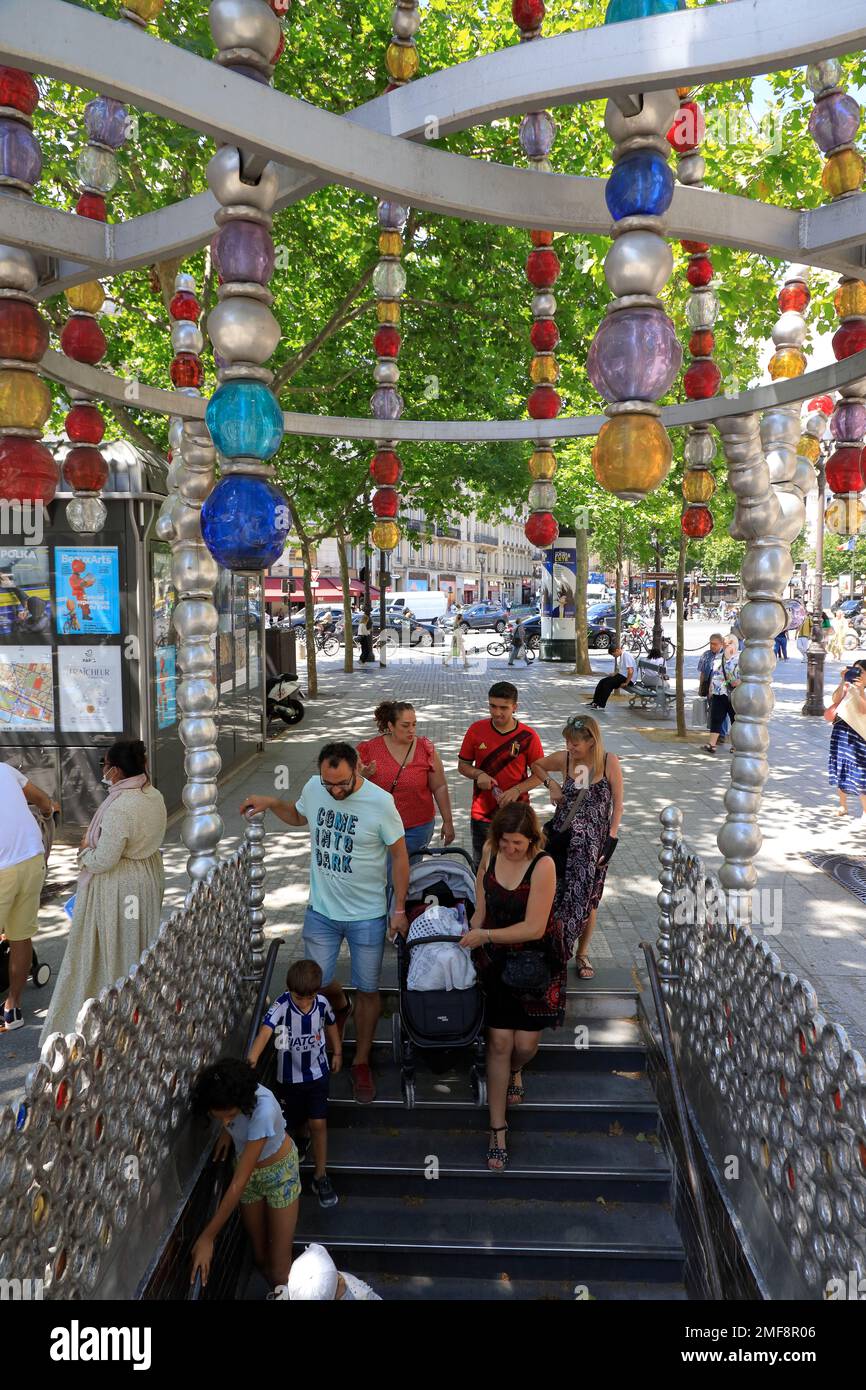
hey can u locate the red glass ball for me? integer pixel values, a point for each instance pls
(185, 306)
(702, 343)
(386, 502)
(279, 53)
(18, 90)
(542, 268)
(543, 403)
(84, 469)
(702, 380)
(85, 424)
(386, 343)
(822, 403)
(845, 470)
(92, 205)
(83, 340)
(697, 522)
(544, 335)
(541, 529)
(23, 331)
(695, 248)
(849, 338)
(386, 468)
(700, 271)
(794, 298)
(688, 129)
(28, 472)
(527, 14)
(541, 238)
(187, 370)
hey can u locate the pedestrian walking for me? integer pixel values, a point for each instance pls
(724, 679)
(410, 768)
(316, 1279)
(780, 645)
(354, 829)
(624, 672)
(518, 644)
(705, 673)
(457, 645)
(847, 763)
(22, 874)
(517, 951)
(497, 755)
(584, 830)
(365, 636)
(121, 883)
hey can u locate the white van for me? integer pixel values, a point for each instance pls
(596, 593)
(426, 604)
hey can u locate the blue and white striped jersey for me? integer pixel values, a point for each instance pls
(299, 1039)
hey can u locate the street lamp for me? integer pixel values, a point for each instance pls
(657, 615)
(815, 653)
(482, 558)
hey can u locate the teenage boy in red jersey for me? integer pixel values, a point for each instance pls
(496, 753)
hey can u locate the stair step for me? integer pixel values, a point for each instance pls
(402, 1288)
(609, 980)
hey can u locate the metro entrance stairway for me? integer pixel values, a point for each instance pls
(583, 1209)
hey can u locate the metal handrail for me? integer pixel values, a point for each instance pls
(679, 1095)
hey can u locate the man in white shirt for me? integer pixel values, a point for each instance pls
(624, 671)
(22, 873)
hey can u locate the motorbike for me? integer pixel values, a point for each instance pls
(285, 700)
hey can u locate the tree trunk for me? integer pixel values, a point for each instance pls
(582, 665)
(681, 636)
(618, 617)
(348, 648)
(312, 673)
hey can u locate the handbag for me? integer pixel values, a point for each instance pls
(526, 972)
(557, 842)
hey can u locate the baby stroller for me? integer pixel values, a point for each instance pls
(437, 1022)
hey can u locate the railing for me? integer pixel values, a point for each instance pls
(779, 1091)
(99, 1144)
(486, 538)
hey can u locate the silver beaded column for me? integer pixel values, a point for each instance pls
(672, 832)
(254, 837)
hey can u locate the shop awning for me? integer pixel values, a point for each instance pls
(326, 589)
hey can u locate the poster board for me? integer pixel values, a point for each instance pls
(87, 590)
(91, 689)
(26, 689)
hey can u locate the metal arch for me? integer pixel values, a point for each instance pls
(107, 387)
(62, 39)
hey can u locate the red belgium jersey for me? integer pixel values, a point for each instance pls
(507, 758)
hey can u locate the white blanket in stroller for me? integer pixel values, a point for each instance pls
(439, 965)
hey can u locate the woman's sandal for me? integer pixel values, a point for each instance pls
(584, 969)
(515, 1094)
(497, 1158)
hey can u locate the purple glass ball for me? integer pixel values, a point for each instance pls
(20, 154)
(392, 216)
(834, 121)
(537, 134)
(244, 251)
(386, 403)
(635, 356)
(848, 422)
(107, 122)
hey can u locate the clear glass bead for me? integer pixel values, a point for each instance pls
(821, 76)
(389, 279)
(702, 309)
(98, 170)
(86, 515)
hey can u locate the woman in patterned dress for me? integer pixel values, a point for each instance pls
(847, 765)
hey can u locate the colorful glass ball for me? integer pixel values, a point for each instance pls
(544, 369)
(245, 420)
(702, 380)
(85, 424)
(642, 184)
(845, 516)
(794, 298)
(699, 271)
(242, 251)
(25, 400)
(619, 10)
(390, 244)
(542, 268)
(185, 306)
(386, 468)
(834, 121)
(527, 14)
(18, 90)
(697, 522)
(245, 522)
(87, 299)
(92, 205)
(107, 122)
(843, 173)
(28, 472)
(401, 60)
(541, 529)
(632, 456)
(543, 403)
(699, 485)
(845, 470)
(635, 355)
(542, 465)
(23, 331)
(539, 238)
(536, 134)
(20, 152)
(386, 341)
(822, 403)
(850, 299)
(695, 248)
(702, 343)
(187, 371)
(848, 421)
(386, 502)
(809, 448)
(145, 9)
(83, 340)
(786, 363)
(388, 310)
(688, 129)
(385, 535)
(544, 335)
(84, 469)
(850, 337)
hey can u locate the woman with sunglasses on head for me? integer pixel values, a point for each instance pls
(582, 835)
(407, 765)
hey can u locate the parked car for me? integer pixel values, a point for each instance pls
(851, 607)
(420, 634)
(478, 616)
(598, 635)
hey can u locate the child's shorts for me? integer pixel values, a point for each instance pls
(303, 1100)
(278, 1184)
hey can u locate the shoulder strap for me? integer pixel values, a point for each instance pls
(402, 765)
(542, 854)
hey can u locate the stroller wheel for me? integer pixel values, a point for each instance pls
(409, 1093)
(479, 1087)
(41, 973)
(397, 1037)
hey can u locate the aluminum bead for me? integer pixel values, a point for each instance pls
(805, 479)
(656, 116)
(187, 337)
(17, 269)
(243, 330)
(405, 23)
(175, 434)
(638, 263)
(225, 183)
(244, 24)
(691, 169)
(386, 373)
(789, 330)
(543, 305)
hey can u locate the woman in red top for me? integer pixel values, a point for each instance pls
(410, 769)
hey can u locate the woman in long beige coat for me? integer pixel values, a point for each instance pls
(120, 887)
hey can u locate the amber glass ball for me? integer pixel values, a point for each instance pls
(632, 456)
(698, 485)
(385, 535)
(25, 400)
(843, 173)
(542, 465)
(787, 362)
(86, 299)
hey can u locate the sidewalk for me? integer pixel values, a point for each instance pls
(819, 931)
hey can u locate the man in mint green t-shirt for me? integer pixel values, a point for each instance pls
(354, 826)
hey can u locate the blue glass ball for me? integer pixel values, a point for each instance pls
(641, 184)
(245, 420)
(618, 10)
(245, 522)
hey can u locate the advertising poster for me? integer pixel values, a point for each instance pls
(87, 590)
(26, 689)
(164, 599)
(25, 593)
(240, 660)
(559, 582)
(91, 691)
(165, 664)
